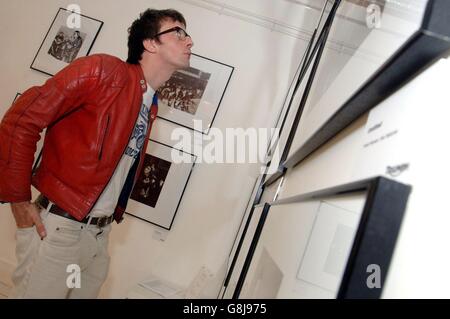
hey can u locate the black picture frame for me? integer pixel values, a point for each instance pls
(62, 44)
(161, 207)
(211, 78)
(430, 42)
(309, 64)
(375, 237)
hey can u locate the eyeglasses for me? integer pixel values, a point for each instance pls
(181, 34)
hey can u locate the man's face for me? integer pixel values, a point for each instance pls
(172, 50)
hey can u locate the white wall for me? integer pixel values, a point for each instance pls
(216, 195)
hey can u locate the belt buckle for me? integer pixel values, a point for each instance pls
(102, 222)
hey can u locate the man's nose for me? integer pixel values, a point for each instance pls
(189, 43)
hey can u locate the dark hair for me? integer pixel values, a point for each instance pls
(146, 27)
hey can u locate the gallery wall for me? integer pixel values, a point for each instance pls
(216, 195)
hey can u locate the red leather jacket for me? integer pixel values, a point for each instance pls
(90, 109)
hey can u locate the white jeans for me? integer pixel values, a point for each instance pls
(42, 265)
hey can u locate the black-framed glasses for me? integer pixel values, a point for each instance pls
(181, 34)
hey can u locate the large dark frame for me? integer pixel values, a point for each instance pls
(218, 104)
(430, 42)
(375, 238)
(51, 26)
(312, 55)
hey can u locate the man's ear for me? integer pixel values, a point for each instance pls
(150, 45)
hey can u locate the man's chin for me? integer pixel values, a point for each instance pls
(184, 65)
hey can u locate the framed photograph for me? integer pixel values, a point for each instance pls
(321, 244)
(194, 93)
(159, 189)
(355, 73)
(63, 42)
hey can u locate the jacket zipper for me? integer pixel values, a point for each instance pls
(115, 167)
(103, 138)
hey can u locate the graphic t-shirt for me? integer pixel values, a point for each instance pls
(108, 199)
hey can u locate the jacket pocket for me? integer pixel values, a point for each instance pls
(102, 139)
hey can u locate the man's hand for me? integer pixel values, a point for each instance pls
(26, 214)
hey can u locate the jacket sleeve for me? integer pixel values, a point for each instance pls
(34, 110)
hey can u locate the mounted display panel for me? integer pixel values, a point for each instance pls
(333, 243)
(381, 45)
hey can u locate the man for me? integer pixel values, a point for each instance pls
(57, 46)
(97, 111)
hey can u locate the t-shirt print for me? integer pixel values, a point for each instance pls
(140, 130)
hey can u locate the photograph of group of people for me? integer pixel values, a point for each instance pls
(67, 44)
(184, 90)
(151, 180)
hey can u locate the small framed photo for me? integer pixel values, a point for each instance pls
(65, 41)
(160, 185)
(194, 93)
